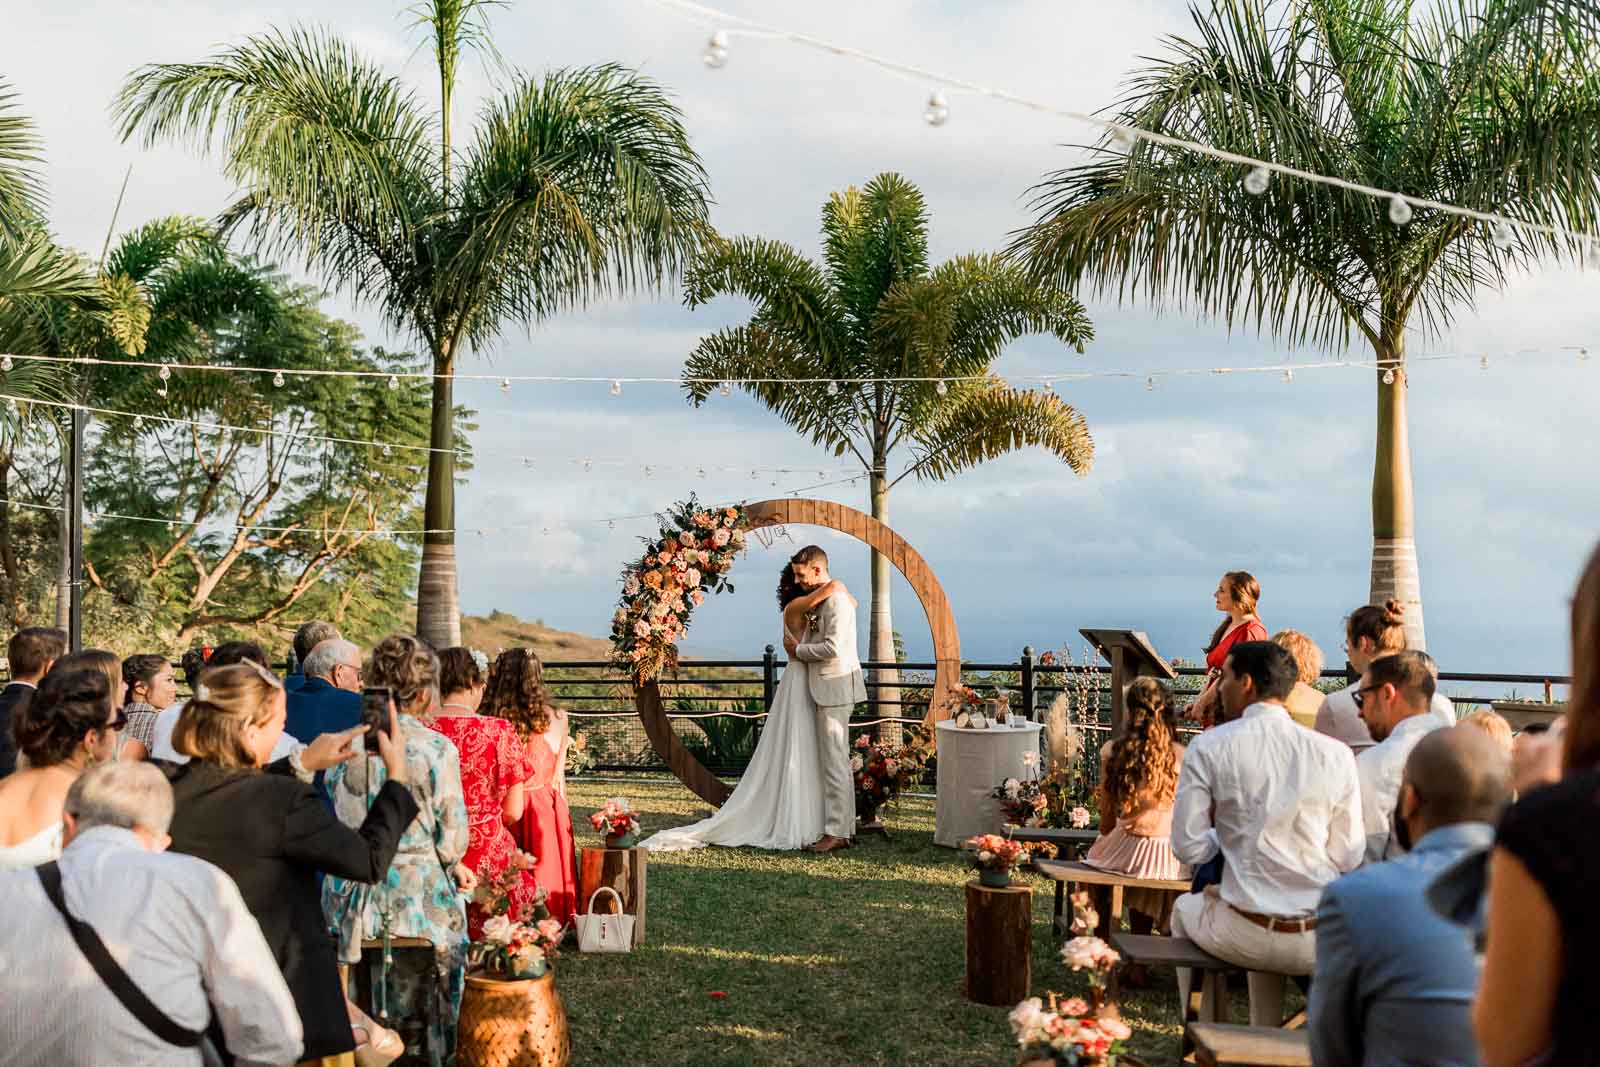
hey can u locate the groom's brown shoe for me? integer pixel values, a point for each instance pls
(827, 843)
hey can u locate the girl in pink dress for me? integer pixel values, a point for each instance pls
(1138, 780)
(517, 694)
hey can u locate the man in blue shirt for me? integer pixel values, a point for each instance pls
(1394, 981)
(330, 698)
(307, 637)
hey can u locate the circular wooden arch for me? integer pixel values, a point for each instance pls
(796, 512)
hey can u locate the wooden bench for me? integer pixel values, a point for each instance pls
(1208, 1000)
(1066, 872)
(1222, 1045)
(1055, 835)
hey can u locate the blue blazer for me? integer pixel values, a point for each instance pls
(319, 707)
(1394, 981)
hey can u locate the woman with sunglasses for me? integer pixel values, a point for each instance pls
(69, 725)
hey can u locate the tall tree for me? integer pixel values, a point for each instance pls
(871, 310)
(1489, 104)
(574, 185)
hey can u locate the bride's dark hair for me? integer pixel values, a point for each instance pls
(788, 586)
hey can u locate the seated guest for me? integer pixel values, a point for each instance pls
(148, 687)
(1394, 981)
(1540, 991)
(1138, 778)
(1282, 804)
(1491, 723)
(1305, 699)
(175, 926)
(516, 693)
(306, 639)
(30, 653)
(417, 896)
(267, 828)
(329, 696)
(66, 727)
(494, 768)
(1393, 701)
(1370, 632)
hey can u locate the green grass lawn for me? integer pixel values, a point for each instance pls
(849, 958)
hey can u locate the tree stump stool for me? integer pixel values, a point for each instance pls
(999, 965)
(622, 869)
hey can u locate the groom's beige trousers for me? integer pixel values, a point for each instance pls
(838, 783)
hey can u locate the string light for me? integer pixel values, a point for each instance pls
(277, 380)
(1288, 376)
(588, 465)
(716, 53)
(727, 389)
(1483, 361)
(833, 387)
(616, 387)
(937, 112)
(6, 364)
(1501, 234)
(164, 373)
(394, 381)
(1583, 355)
(941, 388)
(1399, 210)
(1388, 376)
(1255, 183)
(505, 385)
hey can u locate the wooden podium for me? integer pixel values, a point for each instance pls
(1131, 656)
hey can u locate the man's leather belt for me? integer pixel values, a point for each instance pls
(1277, 924)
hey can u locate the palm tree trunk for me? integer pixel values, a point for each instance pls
(880, 639)
(64, 546)
(438, 598)
(1394, 547)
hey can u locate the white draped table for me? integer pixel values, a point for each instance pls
(971, 764)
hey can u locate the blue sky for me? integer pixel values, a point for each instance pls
(1199, 476)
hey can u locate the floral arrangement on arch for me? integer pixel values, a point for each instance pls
(516, 942)
(690, 558)
(882, 772)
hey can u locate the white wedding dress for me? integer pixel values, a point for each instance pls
(778, 803)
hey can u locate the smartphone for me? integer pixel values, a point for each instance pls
(375, 703)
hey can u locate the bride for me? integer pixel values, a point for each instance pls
(778, 803)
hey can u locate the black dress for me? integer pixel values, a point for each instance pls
(272, 834)
(1552, 831)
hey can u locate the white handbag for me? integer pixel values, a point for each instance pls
(605, 932)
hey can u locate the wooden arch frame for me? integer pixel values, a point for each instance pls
(798, 512)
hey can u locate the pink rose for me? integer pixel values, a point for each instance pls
(698, 597)
(641, 629)
(1115, 1029)
(721, 537)
(1075, 1006)
(550, 929)
(691, 578)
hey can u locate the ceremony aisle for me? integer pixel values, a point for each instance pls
(782, 958)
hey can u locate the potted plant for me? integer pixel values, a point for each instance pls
(993, 856)
(618, 822)
(1067, 1033)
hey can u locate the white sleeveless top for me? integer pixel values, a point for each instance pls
(42, 847)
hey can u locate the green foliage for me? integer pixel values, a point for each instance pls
(727, 743)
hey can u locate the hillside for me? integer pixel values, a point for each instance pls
(501, 629)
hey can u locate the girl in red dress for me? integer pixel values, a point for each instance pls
(1236, 598)
(494, 773)
(517, 694)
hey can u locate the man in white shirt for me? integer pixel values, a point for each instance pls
(1340, 717)
(1394, 700)
(175, 925)
(1283, 806)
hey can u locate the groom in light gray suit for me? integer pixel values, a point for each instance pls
(828, 648)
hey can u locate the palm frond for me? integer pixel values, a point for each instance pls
(987, 420)
(790, 291)
(21, 188)
(873, 238)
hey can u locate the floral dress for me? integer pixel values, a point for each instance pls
(492, 762)
(419, 894)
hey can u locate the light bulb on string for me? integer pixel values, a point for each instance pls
(394, 381)
(164, 373)
(588, 465)
(716, 53)
(1256, 182)
(941, 387)
(387, 450)
(1399, 211)
(611, 524)
(937, 112)
(277, 380)
(1049, 386)
(1288, 376)
(616, 387)
(1501, 234)
(1388, 376)
(527, 461)
(1483, 361)
(833, 387)
(727, 388)
(1583, 355)
(162, 392)
(1122, 138)
(702, 472)
(649, 472)
(505, 385)
(1150, 384)
(6, 364)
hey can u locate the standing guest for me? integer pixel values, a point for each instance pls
(191, 663)
(1539, 992)
(494, 768)
(1138, 780)
(107, 663)
(30, 654)
(175, 926)
(271, 833)
(418, 894)
(66, 727)
(1370, 632)
(1491, 723)
(1394, 981)
(1305, 699)
(228, 654)
(148, 686)
(1282, 804)
(306, 639)
(1393, 701)
(1236, 598)
(329, 696)
(517, 694)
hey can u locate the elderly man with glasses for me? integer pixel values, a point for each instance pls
(1394, 700)
(330, 698)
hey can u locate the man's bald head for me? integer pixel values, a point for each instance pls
(1454, 776)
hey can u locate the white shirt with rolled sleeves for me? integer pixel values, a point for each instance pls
(1380, 769)
(1281, 802)
(175, 924)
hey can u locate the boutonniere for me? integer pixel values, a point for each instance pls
(810, 617)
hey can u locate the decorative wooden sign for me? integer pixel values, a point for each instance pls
(863, 527)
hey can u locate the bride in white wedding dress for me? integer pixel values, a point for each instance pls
(778, 803)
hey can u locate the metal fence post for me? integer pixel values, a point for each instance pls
(769, 675)
(1027, 682)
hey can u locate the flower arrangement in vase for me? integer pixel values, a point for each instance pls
(993, 857)
(517, 942)
(1068, 1033)
(1094, 956)
(618, 821)
(965, 705)
(1023, 803)
(882, 772)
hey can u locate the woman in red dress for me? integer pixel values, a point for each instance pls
(494, 772)
(517, 694)
(1236, 598)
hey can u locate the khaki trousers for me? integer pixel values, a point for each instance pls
(838, 783)
(1268, 955)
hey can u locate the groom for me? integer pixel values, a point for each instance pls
(834, 673)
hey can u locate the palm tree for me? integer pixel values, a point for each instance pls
(575, 185)
(871, 310)
(1488, 104)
